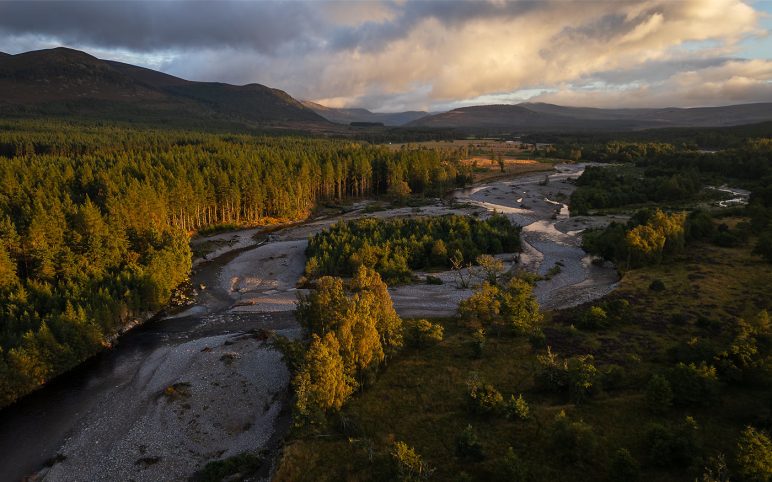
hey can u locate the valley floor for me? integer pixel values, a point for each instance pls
(208, 383)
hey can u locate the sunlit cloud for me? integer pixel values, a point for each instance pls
(395, 55)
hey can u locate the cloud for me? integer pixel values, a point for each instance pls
(396, 54)
(731, 82)
(148, 26)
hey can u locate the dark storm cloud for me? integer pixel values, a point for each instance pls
(161, 25)
(263, 26)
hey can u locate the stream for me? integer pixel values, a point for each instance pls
(203, 384)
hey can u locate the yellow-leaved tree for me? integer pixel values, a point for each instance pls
(321, 384)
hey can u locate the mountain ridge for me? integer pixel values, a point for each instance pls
(64, 81)
(347, 115)
(543, 117)
(71, 83)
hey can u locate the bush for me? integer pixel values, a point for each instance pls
(624, 467)
(511, 307)
(617, 310)
(478, 342)
(537, 339)
(517, 408)
(594, 318)
(484, 399)
(424, 333)
(672, 446)
(613, 377)
(511, 468)
(754, 455)
(410, 466)
(659, 394)
(657, 285)
(763, 246)
(583, 378)
(577, 375)
(572, 443)
(715, 470)
(692, 384)
(468, 445)
(552, 373)
(433, 280)
(244, 464)
(694, 350)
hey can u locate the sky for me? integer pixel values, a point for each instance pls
(434, 55)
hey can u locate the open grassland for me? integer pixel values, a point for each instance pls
(707, 283)
(486, 169)
(421, 397)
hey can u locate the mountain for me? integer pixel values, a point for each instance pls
(68, 82)
(347, 116)
(540, 117)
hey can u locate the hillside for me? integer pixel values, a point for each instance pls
(347, 116)
(540, 117)
(68, 82)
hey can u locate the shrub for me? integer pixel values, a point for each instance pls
(594, 318)
(754, 455)
(511, 468)
(468, 445)
(572, 442)
(552, 373)
(583, 378)
(433, 280)
(624, 467)
(410, 466)
(617, 310)
(693, 350)
(517, 408)
(699, 225)
(657, 285)
(763, 246)
(715, 470)
(492, 267)
(244, 465)
(613, 377)
(576, 375)
(478, 342)
(293, 351)
(512, 306)
(659, 394)
(484, 399)
(537, 339)
(692, 384)
(424, 333)
(672, 446)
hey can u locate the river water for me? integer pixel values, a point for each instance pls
(41, 425)
(108, 419)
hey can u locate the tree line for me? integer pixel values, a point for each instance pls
(395, 247)
(95, 220)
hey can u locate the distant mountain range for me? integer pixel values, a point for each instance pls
(539, 117)
(349, 115)
(68, 82)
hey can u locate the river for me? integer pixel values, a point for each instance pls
(204, 384)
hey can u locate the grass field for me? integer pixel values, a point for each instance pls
(488, 170)
(421, 396)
